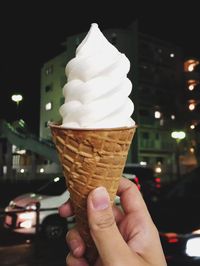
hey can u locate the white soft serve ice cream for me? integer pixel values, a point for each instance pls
(97, 91)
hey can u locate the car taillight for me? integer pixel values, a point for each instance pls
(171, 237)
(157, 180)
(137, 182)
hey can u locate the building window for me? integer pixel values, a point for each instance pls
(62, 81)
(145, 159)
(157, 114)
(190, 64)
(48, 106)
(159, 159)
(46, 123)
(49, 70)
(145, 135)
(157, 136)
(48, 88)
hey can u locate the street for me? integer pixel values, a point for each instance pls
(18, 250)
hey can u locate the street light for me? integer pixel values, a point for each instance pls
(178, 136)
(17, 98)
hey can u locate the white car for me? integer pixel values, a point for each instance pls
(21, 213)
(24, 215)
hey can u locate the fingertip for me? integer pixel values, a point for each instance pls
(65, 210)
(75, 243)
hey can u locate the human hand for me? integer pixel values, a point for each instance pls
(127, 237)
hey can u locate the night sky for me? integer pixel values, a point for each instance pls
(32, 33)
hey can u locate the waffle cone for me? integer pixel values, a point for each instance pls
(91, 158)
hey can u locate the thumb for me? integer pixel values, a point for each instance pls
(108, 240)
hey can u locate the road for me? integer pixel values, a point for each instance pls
(20, 250)
(17, 250)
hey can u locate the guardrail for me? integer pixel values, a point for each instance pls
(37, 211)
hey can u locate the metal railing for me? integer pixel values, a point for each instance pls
(37, 210)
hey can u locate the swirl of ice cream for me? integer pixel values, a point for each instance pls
(97, 91)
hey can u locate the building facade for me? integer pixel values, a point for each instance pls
(192, 108)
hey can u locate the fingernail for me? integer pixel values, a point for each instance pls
(100, 199)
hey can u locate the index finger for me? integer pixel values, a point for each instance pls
(66, 209)
(130, 197)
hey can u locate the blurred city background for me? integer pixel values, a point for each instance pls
(163, 48)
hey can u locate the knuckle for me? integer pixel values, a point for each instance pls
(103, 222)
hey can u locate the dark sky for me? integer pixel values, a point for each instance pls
(32, 33)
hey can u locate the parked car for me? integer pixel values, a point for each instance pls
(21, 213)
(150, 184)
(177, 218)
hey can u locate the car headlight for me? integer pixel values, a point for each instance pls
(31, 206)
(193, 247)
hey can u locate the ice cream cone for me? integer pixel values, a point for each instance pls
(91, 158)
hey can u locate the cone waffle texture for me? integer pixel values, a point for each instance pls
(91, 158)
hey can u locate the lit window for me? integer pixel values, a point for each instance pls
(21, 152)
(191, 67)
(48, 106)
(158, 169)
(191, 149)
(157, 114)
(191, 106)
(41, 170)
(161, 122)
(191, 87)
(143, 163)
(190, 64)
(46, 123)
(14, 148)
(48, 70)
